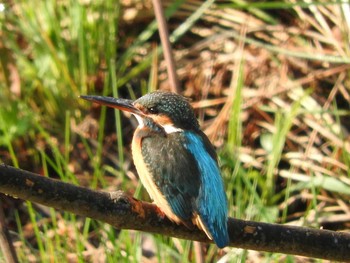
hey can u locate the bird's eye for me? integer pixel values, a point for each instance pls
(152, 110)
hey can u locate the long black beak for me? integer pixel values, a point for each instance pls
(121, 104)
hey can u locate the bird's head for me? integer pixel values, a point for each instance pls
(169, 110)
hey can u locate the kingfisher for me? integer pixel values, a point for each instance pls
(176, 162)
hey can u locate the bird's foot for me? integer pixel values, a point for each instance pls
(160, 212)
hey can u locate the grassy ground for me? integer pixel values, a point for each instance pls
(269, 82)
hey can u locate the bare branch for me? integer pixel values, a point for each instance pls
(125, 212)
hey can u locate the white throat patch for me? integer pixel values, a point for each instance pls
(170, 128)
(139, 120)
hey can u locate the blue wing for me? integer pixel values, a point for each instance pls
(211, 201)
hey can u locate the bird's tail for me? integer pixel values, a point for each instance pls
(218, 234)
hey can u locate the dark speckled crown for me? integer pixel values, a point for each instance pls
(172, 105)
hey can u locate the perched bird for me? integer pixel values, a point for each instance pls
(176, 162)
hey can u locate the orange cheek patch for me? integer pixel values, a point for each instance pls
(161, 119)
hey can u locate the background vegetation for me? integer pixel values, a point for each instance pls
(269, 81)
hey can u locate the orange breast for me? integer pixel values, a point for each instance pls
(146, 177)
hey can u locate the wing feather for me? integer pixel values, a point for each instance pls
(174, 173)
(211, 203)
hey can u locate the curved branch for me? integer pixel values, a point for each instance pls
(125, 212)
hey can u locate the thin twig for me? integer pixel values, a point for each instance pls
(6, 244)
(173, 80)
(164, 38)
(198, 251)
